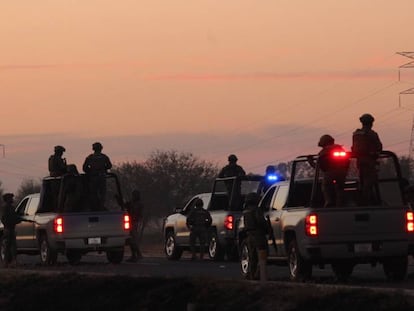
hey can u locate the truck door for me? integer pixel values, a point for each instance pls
(183, 233)
(25, 231)
(276, 202)
(265, 205)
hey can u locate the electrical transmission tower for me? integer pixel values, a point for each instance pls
(405, 66)
(407, 92)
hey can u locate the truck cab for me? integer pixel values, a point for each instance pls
(225, 204)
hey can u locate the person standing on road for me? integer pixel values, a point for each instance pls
(9, 219)
(334, 170)
(198, 221)
(135, 211)
(257, 229)
(366, 145)
(96, 166)
(57, 164)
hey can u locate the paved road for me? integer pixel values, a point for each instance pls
(155, 265)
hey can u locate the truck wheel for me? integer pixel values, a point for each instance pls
(248, 262)
(74, 257)
(115, 257)
(48, 255)
(395, 268)
(171, 249)
(342, 271)
(299, 268)
(215, 250)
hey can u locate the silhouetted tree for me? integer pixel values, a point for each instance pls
(166, 179)
(28, 186)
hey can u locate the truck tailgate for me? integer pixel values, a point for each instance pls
(362, 223)
(96, 224)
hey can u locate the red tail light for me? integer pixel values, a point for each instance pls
(58, 225)
(127, 222)
(229, 222)
(410, 221)
(311, 225)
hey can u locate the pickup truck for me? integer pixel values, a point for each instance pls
(304, 233)
(65, 218)
(225, 204)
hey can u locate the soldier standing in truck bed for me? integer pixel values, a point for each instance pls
(366, 145)
(232, 169)
(96, 166)
(57, 164)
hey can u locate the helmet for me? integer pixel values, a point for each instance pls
(199, 202)
(60, 149)
(326, 140)
(232, 158)
(252, 198)
(97, 146)
(8, 196)
(366, 118)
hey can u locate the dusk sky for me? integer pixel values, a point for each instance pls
(263, 79)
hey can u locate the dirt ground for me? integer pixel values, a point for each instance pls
(71, 291)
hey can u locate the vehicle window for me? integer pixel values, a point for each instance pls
(281, 197)
(267, 199)
(219, 202)
(248, 186)
(32, 208)
(300, 193)
(206, 201)
(22, 206)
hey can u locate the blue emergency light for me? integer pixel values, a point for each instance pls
(272, 178)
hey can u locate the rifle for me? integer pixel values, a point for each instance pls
(271, 233)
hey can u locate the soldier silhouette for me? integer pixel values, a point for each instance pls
(96, 166)
(57, 164)
(366, 145)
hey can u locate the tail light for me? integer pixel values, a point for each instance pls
(339, 154)
(311, 225)
(58, 225)
(410, 221)
(127, 222)
(229, 222)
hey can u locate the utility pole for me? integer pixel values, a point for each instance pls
(407, 92)
(4, 150)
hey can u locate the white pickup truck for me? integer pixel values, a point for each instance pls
(225, 204)
(66, 218)
(305, 233)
